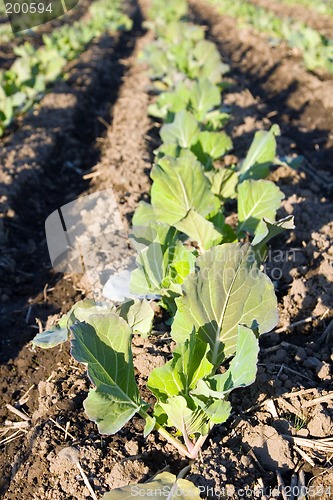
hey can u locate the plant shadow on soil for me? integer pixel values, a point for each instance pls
(53, 184)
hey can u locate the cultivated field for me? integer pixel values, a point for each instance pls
(208, 126)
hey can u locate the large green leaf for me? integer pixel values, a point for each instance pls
(104, 346)
(261, 155)
(184, 130)
(179, 186)
(164, 484)
(226, 289)
(256, 200)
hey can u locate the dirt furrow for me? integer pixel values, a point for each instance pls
(42, 167)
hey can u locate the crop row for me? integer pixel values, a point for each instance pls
(316, 50)
(34, 69)
(204, 271)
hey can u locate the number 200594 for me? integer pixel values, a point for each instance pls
(24, 8)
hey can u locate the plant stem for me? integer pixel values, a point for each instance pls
(164, 433)
(174, 441)
(198, 445)
(183, 450)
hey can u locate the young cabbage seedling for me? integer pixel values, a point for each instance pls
(226, 303)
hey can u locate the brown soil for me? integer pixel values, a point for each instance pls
(126, 160)
(259, 438)
(319, 22)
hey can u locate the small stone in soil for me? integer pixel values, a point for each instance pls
(246, 461)
(230, 490)
(132, 448)
(324, 371)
